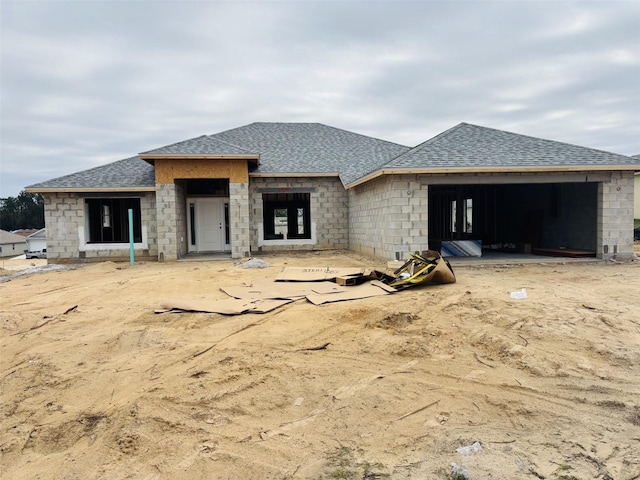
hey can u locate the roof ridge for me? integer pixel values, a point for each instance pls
(360, 134)
(430, 140)
(229, 143)
(311, 123)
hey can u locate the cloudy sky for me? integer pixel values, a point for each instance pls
(85, 83)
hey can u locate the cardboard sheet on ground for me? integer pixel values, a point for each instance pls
(264, 289)
(373, 288)
(230, 306)
(315, 274)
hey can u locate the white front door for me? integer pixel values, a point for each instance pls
(209, 225)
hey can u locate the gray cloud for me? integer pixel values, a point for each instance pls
(85, 83)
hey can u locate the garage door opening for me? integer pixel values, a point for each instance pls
(550, 218)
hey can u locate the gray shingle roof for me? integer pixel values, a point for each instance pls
(312, 148)
(203, 145)
(8, 237)
(468, 146)
(129, 173)
(42, 233)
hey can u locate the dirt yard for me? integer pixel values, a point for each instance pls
(95, 385)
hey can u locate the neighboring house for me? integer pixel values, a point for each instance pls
(37, 241)
(11, 244)
(282, 186)
(25, 232)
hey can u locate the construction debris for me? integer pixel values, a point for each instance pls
(320, 285)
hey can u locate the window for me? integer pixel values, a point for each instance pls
(467, 216)
(286, 215)
(108, 220)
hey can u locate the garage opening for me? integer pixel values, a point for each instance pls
(553, 218)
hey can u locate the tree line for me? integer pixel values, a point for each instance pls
(22, 212)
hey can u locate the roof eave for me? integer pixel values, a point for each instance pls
(297, 175)
(151, 158)
(518, 169)
(85, 189)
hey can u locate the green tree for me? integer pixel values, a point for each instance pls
(24, 211)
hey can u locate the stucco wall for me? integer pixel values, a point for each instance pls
(329, 213)
(388, 217)
(64, 215)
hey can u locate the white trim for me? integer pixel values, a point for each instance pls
(288, 241)
(292, 175)
(96, 247)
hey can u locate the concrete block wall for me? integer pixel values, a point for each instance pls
(181, 219)
(388, 217)
(239, 219)
(168, 232)
(66, 231)
(615, 216)
(636, 189)
(63, 215)
(329, 210)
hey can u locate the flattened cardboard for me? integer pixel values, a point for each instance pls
(315, 274)
(351, 280)
(263, 289)
(230, 306)
(373, 288)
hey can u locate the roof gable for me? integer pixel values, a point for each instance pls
(40, 234)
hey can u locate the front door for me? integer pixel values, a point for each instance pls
(207, 229)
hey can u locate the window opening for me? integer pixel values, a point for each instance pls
(454, 217)
(227, 233)
(192, 217)
(106, 216)
(108, 220)
(211, 187)
(468, 215)
(286, 215)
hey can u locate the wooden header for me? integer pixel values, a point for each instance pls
(168, 170)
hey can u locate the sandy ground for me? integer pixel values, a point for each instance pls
(549, 385)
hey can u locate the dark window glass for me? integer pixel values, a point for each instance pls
(286, 215)
(109, 220)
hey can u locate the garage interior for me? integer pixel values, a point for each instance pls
(557, 219)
